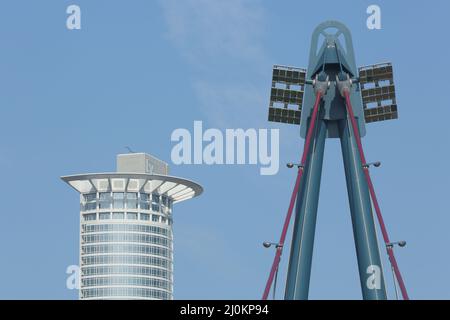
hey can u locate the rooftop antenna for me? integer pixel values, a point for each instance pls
(129, 149)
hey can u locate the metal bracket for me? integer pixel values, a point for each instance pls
(344, 86)
(321, 86)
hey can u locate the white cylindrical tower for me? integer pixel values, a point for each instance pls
(126, 240)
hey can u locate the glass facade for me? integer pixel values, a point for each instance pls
(126, 246)
(123, 201)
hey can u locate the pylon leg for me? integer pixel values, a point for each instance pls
(297, 285)
(369, 261)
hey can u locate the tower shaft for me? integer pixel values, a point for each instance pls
(369, 261)
(348, 96)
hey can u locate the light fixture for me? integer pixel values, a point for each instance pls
(290, 165)
(269, 244)
(278, 246)
(377, 88)
(390, 246)
(376, 164)
(401, 244)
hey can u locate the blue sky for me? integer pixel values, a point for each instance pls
(137, 70)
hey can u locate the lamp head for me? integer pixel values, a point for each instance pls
(267, 244)
(402, 243)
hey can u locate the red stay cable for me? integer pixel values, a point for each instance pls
(276, 260)
(374, 199)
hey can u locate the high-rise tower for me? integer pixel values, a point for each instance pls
(126, 249)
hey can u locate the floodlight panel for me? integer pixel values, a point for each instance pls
(375, 73)
(289, 75)
(286, 96)
(284, 115)
(377, 86)
(378, 94)
(283, 92)
(381, 113)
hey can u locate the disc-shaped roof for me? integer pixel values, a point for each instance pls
(178, 189)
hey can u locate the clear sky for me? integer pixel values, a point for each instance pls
(137, 70)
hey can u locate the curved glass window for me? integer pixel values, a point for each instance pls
(132, 215)
(125, 237)
(125, 248)
(118, 200)
(133, 270)
(169, 205)
(155, 198)
(90, 216)
(124, 292)
(118, 215)
(132, 200)
(126, 200)
(104, 215)
(164, 200)
(145, 216)
(145, 197)
(88, 206)
(89, 197)
(125, 228)
(125, 259)
(124, 281)
(105, 200)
